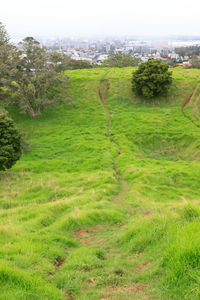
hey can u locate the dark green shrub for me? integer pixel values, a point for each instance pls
(152, 78)
(10, 142)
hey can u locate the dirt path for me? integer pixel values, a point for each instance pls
(102, 236)
(188, 100)
(185, 103)
(103, 92)
(124, 186)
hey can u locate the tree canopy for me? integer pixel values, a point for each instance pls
(152, 78)
(36, 84)
(188, 51)
(31, 79)
(120, 61)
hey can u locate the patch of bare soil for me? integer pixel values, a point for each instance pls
(85, 237)
(96, 228)
(88, 236)
(80, 233)
(142, 266)
(188, 99)
(146, 213)
(59, 262)
(69, 297)
(133, 257)
(85, 242)
(136, 288)
(89, 233)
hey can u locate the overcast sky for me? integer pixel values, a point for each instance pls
(61, 18)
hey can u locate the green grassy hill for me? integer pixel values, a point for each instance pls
(86, 215)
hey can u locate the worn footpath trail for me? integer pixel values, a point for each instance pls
(102, 236)
(124, 187)
(103, 92)
(186, 102)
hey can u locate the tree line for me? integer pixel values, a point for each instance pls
(191, 51)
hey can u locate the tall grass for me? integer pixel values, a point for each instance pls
(65, 233)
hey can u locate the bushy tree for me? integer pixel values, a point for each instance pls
(35, 82)
(10, 142)
(28, 77)
(152, 78)
(120, 61)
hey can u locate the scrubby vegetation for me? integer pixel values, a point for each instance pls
(87, 215)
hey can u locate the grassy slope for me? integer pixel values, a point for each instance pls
(88, 216)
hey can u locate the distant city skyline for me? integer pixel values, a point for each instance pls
(61, 18)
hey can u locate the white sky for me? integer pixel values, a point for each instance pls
(103, 17)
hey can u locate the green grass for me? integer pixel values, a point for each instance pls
(85, 215)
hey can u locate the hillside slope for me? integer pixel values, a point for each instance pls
(91, 213)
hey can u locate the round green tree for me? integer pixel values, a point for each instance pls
(152, 78)
(10, 143)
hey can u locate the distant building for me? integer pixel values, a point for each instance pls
(144, 59)
(108, 47)
(98, 59)
(164, 59)
(173, 55)
(185, 63)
